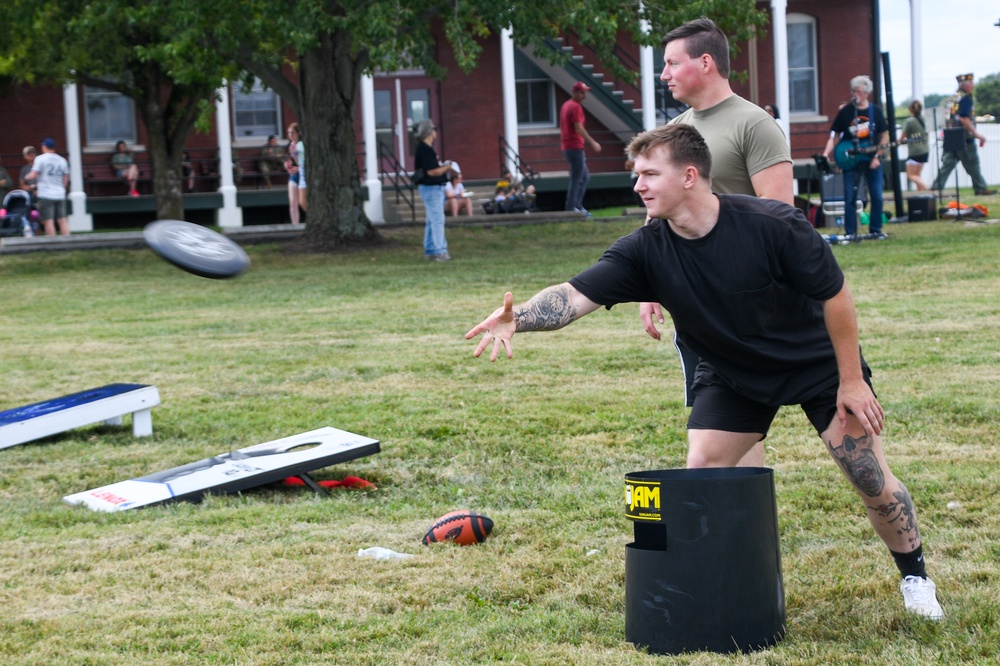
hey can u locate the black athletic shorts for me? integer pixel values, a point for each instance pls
(719, 407)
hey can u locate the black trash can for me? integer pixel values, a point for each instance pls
(704, 571)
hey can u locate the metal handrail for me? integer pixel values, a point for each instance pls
(603, 91)
(399, 178)
(508, 155)
(625, 59)
(666, 106)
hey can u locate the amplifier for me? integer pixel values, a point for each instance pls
(922, 208)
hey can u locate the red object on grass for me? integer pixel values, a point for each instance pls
(347, 482)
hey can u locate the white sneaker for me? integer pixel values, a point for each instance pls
(920, 597)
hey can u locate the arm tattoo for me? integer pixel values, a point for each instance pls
(858, 460)
(547, 310)
(900, 512)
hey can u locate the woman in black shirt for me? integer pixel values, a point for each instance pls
(431, 189)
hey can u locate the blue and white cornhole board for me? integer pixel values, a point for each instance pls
(106, 403)
(234, 471)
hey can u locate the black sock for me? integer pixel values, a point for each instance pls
(912, 563)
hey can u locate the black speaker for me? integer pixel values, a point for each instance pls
(922, 207)
(954, 139)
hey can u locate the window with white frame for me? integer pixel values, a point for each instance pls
(536, 94)
(256, 112)
(803, 74)
(109, 116)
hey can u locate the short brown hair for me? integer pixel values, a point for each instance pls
(702, 36)
(686, 145)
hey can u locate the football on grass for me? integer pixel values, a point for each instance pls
(465, 528)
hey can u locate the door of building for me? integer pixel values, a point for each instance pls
(402, 99)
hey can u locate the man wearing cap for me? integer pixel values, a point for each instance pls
(52, 172)
(574, 135)
(961, 116)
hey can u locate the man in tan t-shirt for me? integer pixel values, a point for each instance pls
(750, 154)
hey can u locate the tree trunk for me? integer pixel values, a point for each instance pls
(330, 78)
(166, 165)
(169, 118)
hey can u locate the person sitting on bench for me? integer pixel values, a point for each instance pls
(125, 167)
(272, 158)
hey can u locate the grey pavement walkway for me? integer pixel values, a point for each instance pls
(266, 233)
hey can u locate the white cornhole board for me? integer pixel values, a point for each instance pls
(106, 403)
(234, 471)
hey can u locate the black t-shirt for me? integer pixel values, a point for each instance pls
(746, 297)
(865, 125)
(425, 158)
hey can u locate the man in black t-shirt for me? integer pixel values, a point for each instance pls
(759, 297)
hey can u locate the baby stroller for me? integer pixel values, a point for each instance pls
(16, 215)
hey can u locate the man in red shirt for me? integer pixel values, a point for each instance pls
(574, 135)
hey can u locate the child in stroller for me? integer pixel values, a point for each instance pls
(18, 217)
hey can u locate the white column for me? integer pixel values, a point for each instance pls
(230, 215)
(648, 81)
(373, 207)
(402, 126)
(916, 50)
(509, 96)
(780, 31)
(79, 219)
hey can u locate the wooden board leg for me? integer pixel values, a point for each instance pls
(142, 423)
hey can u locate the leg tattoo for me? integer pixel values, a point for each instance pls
(900, 512)
(858, 460)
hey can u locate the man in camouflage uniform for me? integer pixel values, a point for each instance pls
(961, 116)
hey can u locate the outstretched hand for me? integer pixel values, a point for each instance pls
(498, 327)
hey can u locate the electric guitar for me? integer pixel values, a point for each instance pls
(850, 153)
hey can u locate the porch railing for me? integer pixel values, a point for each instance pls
(509, 156)
(399, 179)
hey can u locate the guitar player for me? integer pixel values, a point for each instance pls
(863, 125)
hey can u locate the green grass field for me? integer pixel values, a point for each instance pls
(372, 342)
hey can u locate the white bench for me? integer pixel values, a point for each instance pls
(106, 403)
